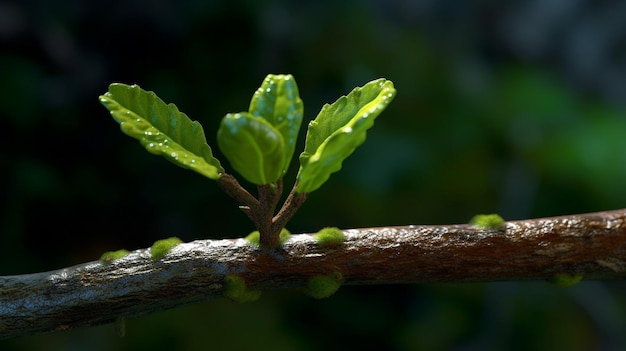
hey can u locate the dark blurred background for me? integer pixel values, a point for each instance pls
(512, 107)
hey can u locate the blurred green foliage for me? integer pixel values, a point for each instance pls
(473, 129)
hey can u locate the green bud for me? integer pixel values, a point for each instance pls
(254, 238)
(487, 221)
(322, 286)
(565, 280)
(235, 290)
(330, 236)
(160, 248)
(110, 256)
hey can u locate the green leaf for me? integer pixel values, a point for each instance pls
(259, 144)
(278, 102)
(161, 128)
(337, 131)
(253, 147)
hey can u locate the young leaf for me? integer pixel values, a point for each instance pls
(278, 102)
(161, 128)
(253, 147)
(337, 131)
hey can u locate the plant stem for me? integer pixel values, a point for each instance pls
(268, 199)
(261, 211)
(290, 207)
(230, 185)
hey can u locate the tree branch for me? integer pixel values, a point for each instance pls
(592, 245)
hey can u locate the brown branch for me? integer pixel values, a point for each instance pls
(592, 245)
(268, 199)
(230, 185)
(290, 207)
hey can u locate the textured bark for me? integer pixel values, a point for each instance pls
(592, 245)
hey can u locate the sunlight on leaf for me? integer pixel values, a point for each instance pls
(161, 128)
(338, 130)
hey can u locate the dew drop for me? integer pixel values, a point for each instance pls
(347, 130)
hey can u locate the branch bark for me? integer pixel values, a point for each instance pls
(592, 245)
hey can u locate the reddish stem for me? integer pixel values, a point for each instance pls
(261, 211)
